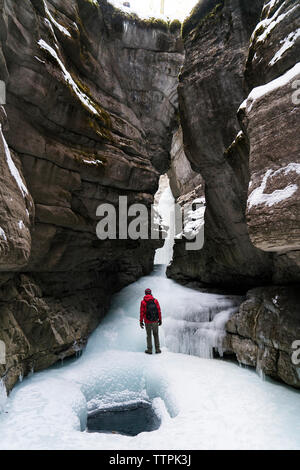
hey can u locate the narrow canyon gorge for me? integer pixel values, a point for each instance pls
(100, 104)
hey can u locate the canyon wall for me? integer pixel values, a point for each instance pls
(210, 92)
(239, 110)
(91, 109)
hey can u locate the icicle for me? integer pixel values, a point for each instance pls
(3, 396)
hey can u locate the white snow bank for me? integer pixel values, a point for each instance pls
(12, 167)
(258, 196)
(259, 92)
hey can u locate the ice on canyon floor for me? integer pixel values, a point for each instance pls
(266, 26)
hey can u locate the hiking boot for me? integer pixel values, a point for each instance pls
(158, 351)
(148, 352)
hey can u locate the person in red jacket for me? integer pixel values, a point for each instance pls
(150, 315)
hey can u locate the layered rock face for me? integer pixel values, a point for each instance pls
(251, 175)
(183, 180)
(210, 92)
(270, 116)
(265, 332)
(91, 107)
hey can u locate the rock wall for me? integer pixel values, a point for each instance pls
(210, 92)
(268, 324)
(263, 332)
(248, 156)
(90, 114)
(270, 117)
(183, 179)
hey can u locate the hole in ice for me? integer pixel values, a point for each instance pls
(130, 419)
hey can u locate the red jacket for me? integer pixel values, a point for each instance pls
(144, 309)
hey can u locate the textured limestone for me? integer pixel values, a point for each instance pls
(91, 109)
(262, 333)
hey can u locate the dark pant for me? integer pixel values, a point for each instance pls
(152, 328)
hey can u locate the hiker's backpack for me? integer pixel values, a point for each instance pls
(152, 314)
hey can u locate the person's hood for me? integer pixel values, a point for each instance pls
(148, 297)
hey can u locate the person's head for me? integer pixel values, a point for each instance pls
(148, 292)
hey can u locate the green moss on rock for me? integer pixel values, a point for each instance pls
(175, 26)
(201, 14)
(117, 17)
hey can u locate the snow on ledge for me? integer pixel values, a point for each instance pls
(258, 196)
(263, 90)
(268, 24)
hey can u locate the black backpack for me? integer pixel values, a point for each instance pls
(152, 311)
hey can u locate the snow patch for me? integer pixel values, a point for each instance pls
(258, 196)
(152, 8)
(61, 28)
(83, 98)
(93, 162)
(288, 42)
(40, 60)
(263, 90)
(2, 234)
(3, 396)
